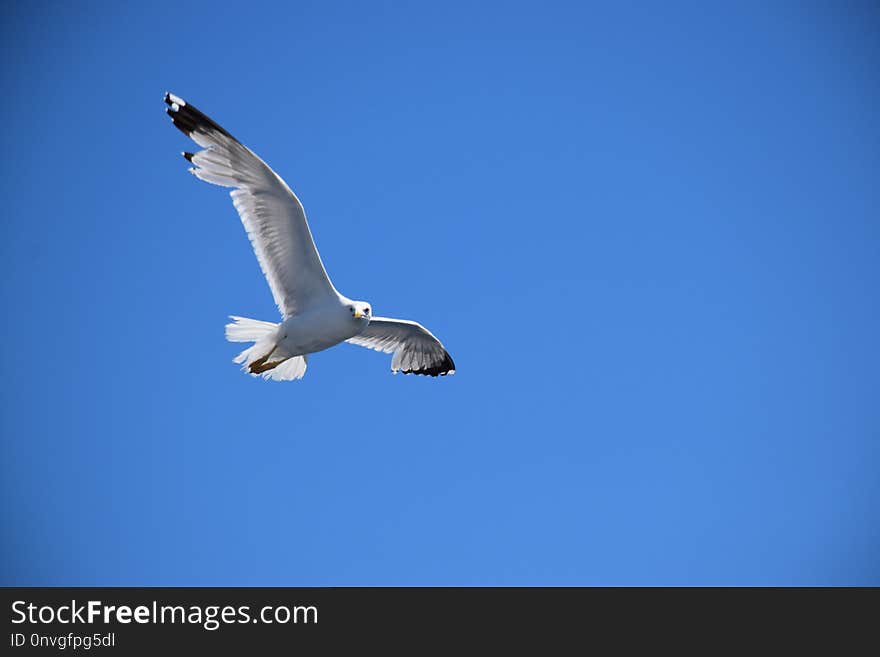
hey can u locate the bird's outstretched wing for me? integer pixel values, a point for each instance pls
(271, 213)
(416, 350)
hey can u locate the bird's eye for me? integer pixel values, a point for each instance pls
(368, 311)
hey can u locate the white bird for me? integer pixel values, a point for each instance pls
(314, 315)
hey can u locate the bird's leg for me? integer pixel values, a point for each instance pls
(262, 365)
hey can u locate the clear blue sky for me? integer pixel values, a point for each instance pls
(649, 234)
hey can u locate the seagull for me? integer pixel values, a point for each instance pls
(314, 315)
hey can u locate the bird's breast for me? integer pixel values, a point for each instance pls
(316, 331)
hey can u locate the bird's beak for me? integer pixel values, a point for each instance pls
(358, 314)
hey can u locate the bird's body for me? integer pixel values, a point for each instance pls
(315, 316)
(320, 328)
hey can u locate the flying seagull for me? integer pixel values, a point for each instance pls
(314, 315)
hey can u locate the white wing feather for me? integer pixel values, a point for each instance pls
(272, 215)
(415, 349)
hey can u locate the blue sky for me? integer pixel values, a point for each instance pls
(646, 232)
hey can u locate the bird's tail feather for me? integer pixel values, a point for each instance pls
(263, 358)
(264, 335)
(243, 329)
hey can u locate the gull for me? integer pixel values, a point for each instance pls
(314, 315)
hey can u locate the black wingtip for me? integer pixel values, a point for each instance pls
(171, 100)
(187, 156)
(444, 367)
(188, 119)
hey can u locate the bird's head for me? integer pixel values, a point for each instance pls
(360, 310)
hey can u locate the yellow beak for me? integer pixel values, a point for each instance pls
(358, 314)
